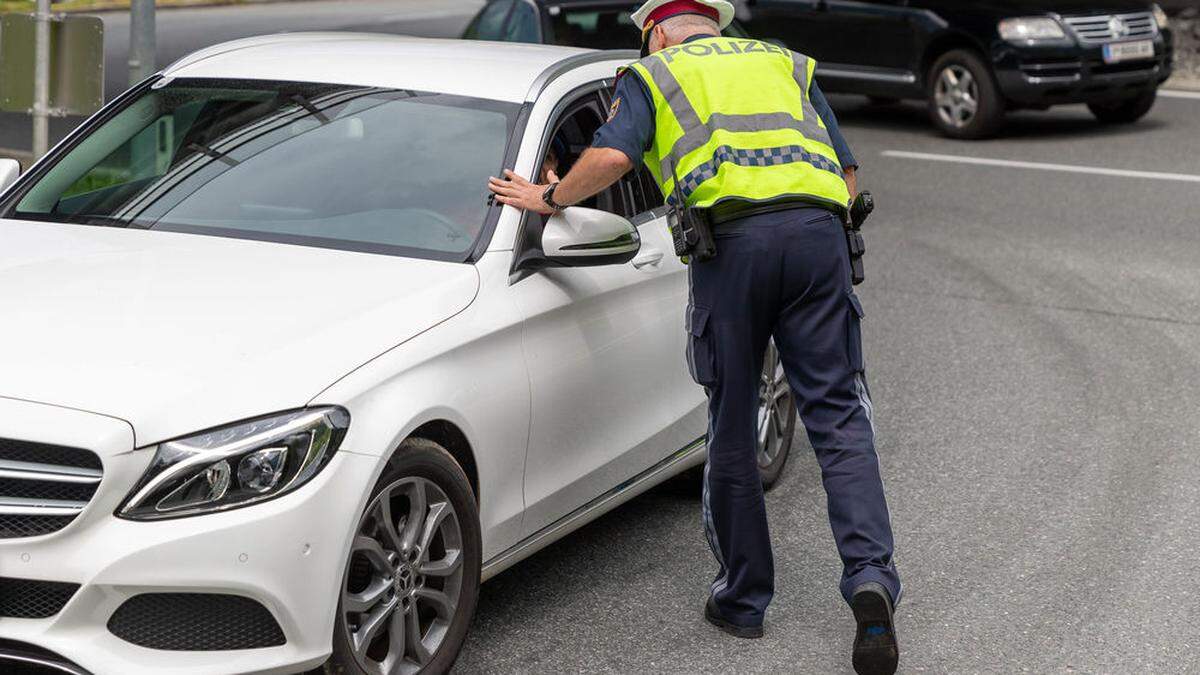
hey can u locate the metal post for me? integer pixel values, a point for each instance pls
(41, 80)
(142, 40)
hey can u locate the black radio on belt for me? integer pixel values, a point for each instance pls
(690, 229)
(860, 208)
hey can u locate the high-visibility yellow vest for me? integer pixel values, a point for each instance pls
(733, 120)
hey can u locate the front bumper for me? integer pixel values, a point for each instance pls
(287, 554)
(1038, 76)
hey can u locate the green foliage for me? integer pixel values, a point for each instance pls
(97, 179)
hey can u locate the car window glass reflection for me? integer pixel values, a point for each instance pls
(310, 162)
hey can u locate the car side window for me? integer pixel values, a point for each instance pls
(639, 183)
(522, 24)
(573, 131)
(489, 23)
(573, 134)
(651, 195)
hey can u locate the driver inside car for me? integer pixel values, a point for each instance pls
(555, 158)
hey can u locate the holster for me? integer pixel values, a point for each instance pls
(692, 233)
(854, 241)
(852, 220)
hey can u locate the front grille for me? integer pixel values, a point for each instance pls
(1101, 28)
(43, 487)
(198, 622)
(1061, 68)
(29, 599)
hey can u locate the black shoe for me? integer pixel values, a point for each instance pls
(875, 648)
(713, 616)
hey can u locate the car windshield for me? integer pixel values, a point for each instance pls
(604, 27)
(357, 168)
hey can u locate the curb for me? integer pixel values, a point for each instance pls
(1177, 83)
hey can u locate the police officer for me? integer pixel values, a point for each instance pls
(746, 132)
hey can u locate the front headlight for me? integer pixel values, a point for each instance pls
(1031, 28)
(1160, 17)
(236, 465)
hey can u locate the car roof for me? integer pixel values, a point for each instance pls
(504, 71)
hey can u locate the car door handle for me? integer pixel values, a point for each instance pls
(651, 258)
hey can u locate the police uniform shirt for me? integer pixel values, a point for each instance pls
(630, 126)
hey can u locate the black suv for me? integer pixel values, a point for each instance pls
(970, 60)
(973, 60)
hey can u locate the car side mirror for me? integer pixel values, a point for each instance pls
(10, 169)
(581, 237)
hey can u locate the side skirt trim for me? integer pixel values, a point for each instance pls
(678, 461)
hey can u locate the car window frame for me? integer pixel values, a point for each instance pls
(523, 248)
(644, 191)
(471, 255)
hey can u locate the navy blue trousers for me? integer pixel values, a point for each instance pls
(784, 275)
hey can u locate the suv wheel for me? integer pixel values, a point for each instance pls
(1124, 111)
(776, 419)
(412, 578)
(964, 101)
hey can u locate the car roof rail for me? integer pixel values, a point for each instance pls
(574, 61)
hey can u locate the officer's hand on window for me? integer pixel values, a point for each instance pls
(516, 191)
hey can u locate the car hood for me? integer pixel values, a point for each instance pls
(177, 332)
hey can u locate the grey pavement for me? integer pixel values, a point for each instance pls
(1033, 343)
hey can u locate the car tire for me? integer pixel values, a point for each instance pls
(426, 584)
(776, 419)
(964, 100)
(1125, 111)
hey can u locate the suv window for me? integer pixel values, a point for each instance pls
(489, 23)
(594, 28)
(522, 24)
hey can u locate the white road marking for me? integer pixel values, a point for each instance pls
(1179, 93)
(1043, 166)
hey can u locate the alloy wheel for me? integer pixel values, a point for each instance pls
(956, 96)
(774, 408)
(404, 579)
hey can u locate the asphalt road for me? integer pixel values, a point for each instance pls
(1033, 343)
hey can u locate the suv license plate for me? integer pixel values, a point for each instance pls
(1115, 52)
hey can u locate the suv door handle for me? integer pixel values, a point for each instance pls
(652, 257)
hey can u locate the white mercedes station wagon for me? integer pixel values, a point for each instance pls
(280, 386)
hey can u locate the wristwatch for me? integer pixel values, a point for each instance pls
(548, 197)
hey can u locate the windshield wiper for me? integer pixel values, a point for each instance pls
(313, 110)
(215, 154)
(105, 221)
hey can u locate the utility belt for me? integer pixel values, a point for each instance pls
(692, 228)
